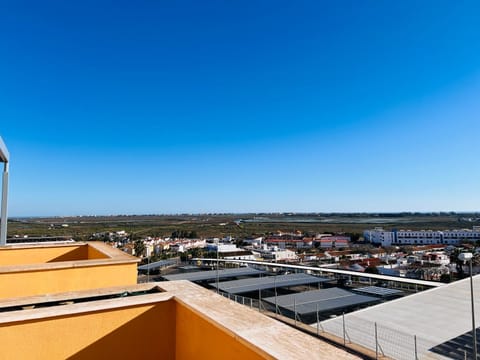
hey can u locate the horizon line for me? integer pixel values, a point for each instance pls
(289, 213)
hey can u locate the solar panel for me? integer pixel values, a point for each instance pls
(189, 268)
(322, 300)
(157, 264)
(212, 274)
(268, 282)
(378, 291)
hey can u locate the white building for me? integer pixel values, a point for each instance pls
(255, 242)
(275, 254)
(231, 252)
(421, 237)
(379, 236)
(222, 248)
(245, 255)
(436, 257)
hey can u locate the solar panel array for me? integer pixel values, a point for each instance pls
(320, 300)
(212, 274)
(378, 291)
(190, 268)
(268, 282)
(157, 264)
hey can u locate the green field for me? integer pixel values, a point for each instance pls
(237, 225)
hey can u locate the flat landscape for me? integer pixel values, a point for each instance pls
(237, 225)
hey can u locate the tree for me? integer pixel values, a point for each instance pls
(445, 278)
(458, 263)
(139, 248)
(389, 249)
(354, 236)
(371, 270)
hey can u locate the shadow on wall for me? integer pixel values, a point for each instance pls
(79, 253)
(150, 335)
(163, 330)
(83, 252)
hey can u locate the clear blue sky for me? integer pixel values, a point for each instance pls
(135, 107)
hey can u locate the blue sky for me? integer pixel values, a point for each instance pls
(120, 107)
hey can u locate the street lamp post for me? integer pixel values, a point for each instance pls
(469, 257)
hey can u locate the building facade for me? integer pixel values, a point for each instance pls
(421, 237)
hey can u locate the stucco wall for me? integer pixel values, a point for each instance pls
(48, 269)
(140, 332)
(197, 338)
(50, 281)
(40, 255)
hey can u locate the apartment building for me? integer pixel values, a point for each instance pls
(424, 237)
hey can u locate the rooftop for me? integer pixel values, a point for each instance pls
(268, 282)
(322, 300)
(179, 320)
(440, 318)
(212, 274)
(37, 269)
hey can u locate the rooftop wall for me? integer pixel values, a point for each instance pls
(183, 321)
(47, 269)
(199, 338)
(40, 254)
(137, 332)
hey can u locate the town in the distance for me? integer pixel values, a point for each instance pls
(370, 243)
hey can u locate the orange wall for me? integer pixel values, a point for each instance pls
(164, 330)
(140, 332)
(95, 254)
(50, 281)
(198, 338)
(40, 255)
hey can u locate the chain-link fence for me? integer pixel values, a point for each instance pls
(384, 341)
(252, 303)
(396, 344)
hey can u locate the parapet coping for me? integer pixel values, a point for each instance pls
(74, 295)
(114, 257)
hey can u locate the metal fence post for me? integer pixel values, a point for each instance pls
(416, 353)
(148, 269)
(318, 322)
(275, 286)
(259, 299)
(376, 342)
(343, 323)
(295, 310)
